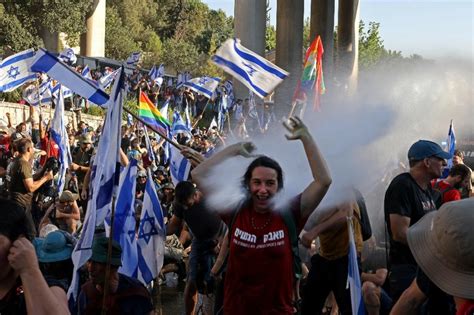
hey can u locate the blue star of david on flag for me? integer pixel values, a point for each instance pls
(13, 72)
(203, 80)
(250, 70)
(152, 230)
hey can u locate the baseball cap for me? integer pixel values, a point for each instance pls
(424, 148)
(442, 243)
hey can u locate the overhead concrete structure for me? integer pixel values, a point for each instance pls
(93, 41)
(249, 27)
(289, 50)
(250, 15)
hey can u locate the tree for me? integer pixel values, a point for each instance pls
(14, 35)
(118, 43)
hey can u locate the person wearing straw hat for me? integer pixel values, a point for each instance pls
(442, 244)
(67, 211)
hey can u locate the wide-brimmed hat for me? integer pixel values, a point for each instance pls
(442, 243)
(67, 196)
(99, 251)
(54, 247)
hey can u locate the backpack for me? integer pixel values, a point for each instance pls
(364, 220)
(290, 225)
(438, 194)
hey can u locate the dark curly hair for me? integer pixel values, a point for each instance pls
(263, 161)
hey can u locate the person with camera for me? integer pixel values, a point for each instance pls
(22, 182)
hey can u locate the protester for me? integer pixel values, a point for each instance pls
(441, 243)
(23, 289)
(67, 212)
(458, 158)
(259, 247)
(125, 295)
(407, 199)
(449, 189)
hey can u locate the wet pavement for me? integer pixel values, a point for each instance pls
(171, 300)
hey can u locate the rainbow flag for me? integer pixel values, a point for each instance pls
(312, 81)
(151, 115)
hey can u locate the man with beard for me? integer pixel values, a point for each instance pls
(407, 199)
(448, 189)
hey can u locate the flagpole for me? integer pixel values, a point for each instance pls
(109, 257)
(202, 114)
(171, 141)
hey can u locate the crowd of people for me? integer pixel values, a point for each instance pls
(254, 258)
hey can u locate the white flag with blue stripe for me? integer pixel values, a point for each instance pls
(124, 220)
(253, 70)
(179, 166)
(178, 125)
(58, 70)
(203, 85)
(133, 59)
(353, 276)
(15, 70)
(33, 94)
(60, 136)
(68, 56)
(106, 80)
(105, 177)
(151, 235)
(66, 91)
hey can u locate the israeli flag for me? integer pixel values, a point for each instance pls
(164, 109)
(353, 277)
(104, 181)
(451, 143)
(124, 220)
(160, 71)
(253, 70)
(66, 91)
(149, 148)
(203, 85)
(33, 94)
(68, 56)
(182, 78)
(133, 59)
(106, 80)
(15, 70)
(151, 235)
(179, 166)
(187, 115)
(178, 125)
(86, 73)
(60, 136)
(56, 69)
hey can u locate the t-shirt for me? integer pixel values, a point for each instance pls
(51, 148)
(438, 302)
(19, 171)
(450, 193)
(260, 275)
(203, 223)
(405, 197)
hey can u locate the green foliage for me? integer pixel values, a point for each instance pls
(180, 55)
(96, 111)
(306, 32)
(270, 38)
(118, 43)
(14, 34)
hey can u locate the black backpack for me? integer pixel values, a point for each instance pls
(364, 220)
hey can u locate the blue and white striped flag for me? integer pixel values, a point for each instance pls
(149, 148)
(164, 109)
(253, 70)
(353, 276)
(151, 235)
(182, 78)
(106, 80)
(178, 125)
(60, 136)
(32, 94)
(86, 73)
(451, 143)
(56, 69)
(133, 59)
(104, 181)
(124, 220)
(68, 56)
(160, 71)
(203, 85)
(15, 70)
(66, 91)
(187, 116)
(179, 166)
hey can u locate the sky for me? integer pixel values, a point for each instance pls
(433, 29)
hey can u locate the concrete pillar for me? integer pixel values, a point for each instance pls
(50, 40)
(289, 51)
(250, 18)
(348, 43)
(322, 24)
(93, 41)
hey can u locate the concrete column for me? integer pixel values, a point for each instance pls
(50, 40)
(250, 18)
(289, 51)
(348, 43)
(322, 24)
(93, 41)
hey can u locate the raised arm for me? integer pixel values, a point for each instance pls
(244, 149)
(314, 193)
